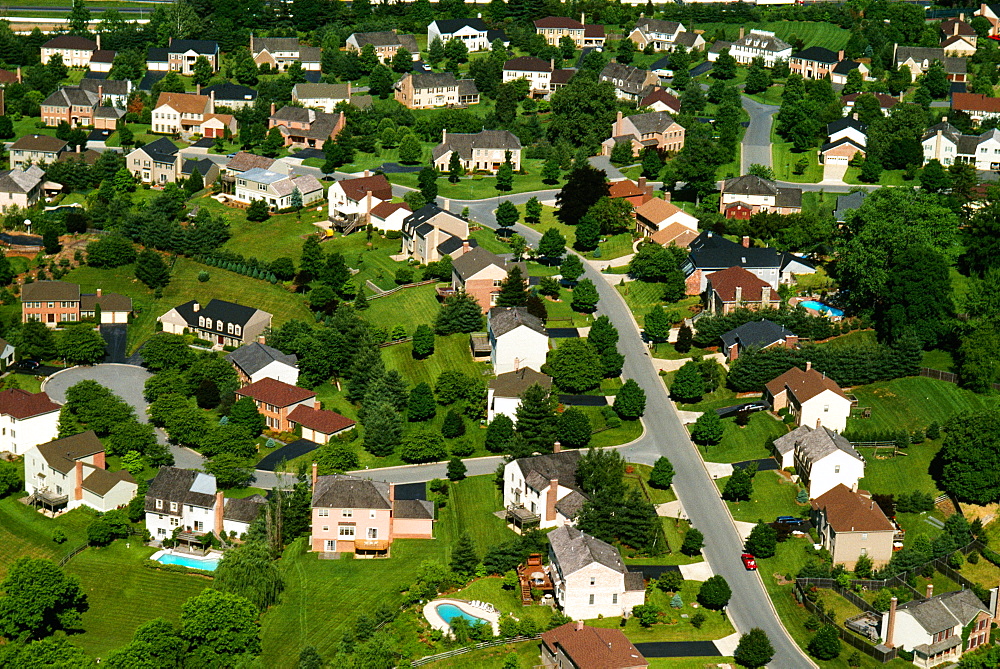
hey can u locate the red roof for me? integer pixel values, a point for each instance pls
(384, 209)
(591, 30)
(661, 95)
(558, 22)
(356, 189)
(628, 188)
(975, 102)
(884, 101)
(594, 647)
(278, 393)
(8, 77)
(725, 282)
(321, 420)
(21, 404)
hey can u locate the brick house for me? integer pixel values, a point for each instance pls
(35, 149)
(70, 104)
(386, 44)
(577, 646)
(75, 51)
(736, 288)
(26, 420)
(318, 425)
(360, 516)
(657, 130)
(636, 194)
(554, 28)
(480, 273)
(710, 252)
(426, 90)
(276, 400)
(54, 302)
(305, 128)
(221, 322)
(485, 150)
(813, 398)
(850, 524)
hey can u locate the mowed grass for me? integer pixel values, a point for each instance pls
(913, 402)
(123, 594)
(745, 443)
(907, 472)
(470, 508)
(772, 496)
(812, 33)
(527, 652)
(450, 353)
(784, 161)
(408, 308)
(26, 533)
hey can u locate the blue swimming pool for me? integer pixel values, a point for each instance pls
(450, 611)
(822, 308)
(191, 562)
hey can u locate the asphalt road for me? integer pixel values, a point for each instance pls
(757, 139)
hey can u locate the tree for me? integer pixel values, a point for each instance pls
(693, 98)
(551, 171)
(533, 211)
(81, 345)
(662, 475)
(423, 342)
(657, 325)
(79, 20)
(151, 270)
(220, 626)
(603, 335)
(410, 150)
(651, 162)
(195, 183)
(684, 339)
(536, 418)
(453, 425)
(128, 436)
(575, 366)
(228, 438)
(621, 153)
(588, 233)
(708, 429)
(435, 52)
(258, 210)
(626, 51)
(714, 593)
(463, 557)
(755, 649)
(505, 175)
(936, 80)
(725, 66)
(423, 446)
(693, 542)
(39, 599)
(971, 450)
(421, 405)
(584, 186)
(455, 168)
(50, 240)
(630, 402)
(688, 385)
(230, 471)
(247, 571)
(934, 178)
(382, 429)
(499, 433)
(164, 350)
(571, 268)
(614, 215)
(825, 644)
(573, 428)
(459, 313)
(762, 540)
(552, 245)
(380, 81)
(585, 297)
(202, 71)
(739, 487)
(507, 216)
(456, 469)
(758, 78)
(513, 289)
(244, 414)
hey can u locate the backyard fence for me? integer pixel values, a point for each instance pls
(76, 551)
(948, 377)
(397, 288)
(468, 649)
(393, 342)
(880, 653)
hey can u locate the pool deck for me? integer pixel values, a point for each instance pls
(211, 556)
(438, 623)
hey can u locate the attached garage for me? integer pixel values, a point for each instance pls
(319, 425)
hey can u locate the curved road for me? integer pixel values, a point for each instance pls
(757, 138)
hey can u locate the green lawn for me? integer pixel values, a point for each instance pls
(450, 353)
(745, 443)
(770, 96)
(821, 202)
(408, 308)
(490, 590)
(907, 472)
(812, 33)
(527, 653)
(784, 159)
(560, 312)
(688, 662)
(717, 399)
(913, 402)
(279, 236)
(641, 296)
(25, 532)
(773, 496)
(887, 178)
(136, 594)
(479, 187)
(470, 508)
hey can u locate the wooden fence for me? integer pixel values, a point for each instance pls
(76, 551)
(880, 653)
(948, 377)
(398, 288)
(468, 649)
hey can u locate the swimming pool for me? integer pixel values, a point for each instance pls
(189, 561)
(822, 308)
(450, 611)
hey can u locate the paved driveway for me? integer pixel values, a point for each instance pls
(114, 339)
(757, 139)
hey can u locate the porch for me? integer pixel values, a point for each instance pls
(533, 576)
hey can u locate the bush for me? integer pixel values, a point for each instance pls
(203, 276)
(826, 644)
(59, 537)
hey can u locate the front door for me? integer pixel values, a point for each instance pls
(220, 339)
(51, 318)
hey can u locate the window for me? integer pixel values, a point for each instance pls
(229, 327)
(324, 513)
(614, 598)
(346, 531)
(173, 506)
(159, 504)
(161, 531)
(372, 513)
(239, 331)
(326, 528)
(864, 536)
(593, 580)
(218, 325)
(864, 551)
(199, 526)
(373, 533)
(836, 469)
(591, 602)
(174, 521)
(348, 513)
(826, 408)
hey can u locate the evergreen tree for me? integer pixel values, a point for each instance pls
(571, 268)
(551, 171)
(657, 325)
(459, 313)
(505, 175)
(410, 150)
(533, 211)
(662, 475)
(762, 540)
(739, 487)
(693, 542)
(423, 342)
(684, 339)
(536, 418)
(652, 164)
(825, 644)
(588, 233)
(435, 52)
(725, 66)
(513, 289)
(758, 78)
(630, 402)
(194, 182)
(382, 429)
(499, 433)
(151, 270)
(463, 557)
(455, 168)
(67, 424)
(585, 297)
(573, 429)
(427, 180)
(456, 469)
(621, 153)
(421, 405)
(244, 414)
(453, 425)
(714, 593)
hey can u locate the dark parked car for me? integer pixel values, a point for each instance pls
(28, 365)
(749, 407)
(789, 520)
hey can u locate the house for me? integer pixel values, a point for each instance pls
(181, 55)
(814, 62)
(318, 425)
(821, 457)
(756, 194)
(938, 629)
(110, 92)
(68, 473)
(54, 302)
(389, 215)
(675, 234)
(114, 309)
(256, 361)
(74, 50)
(26, 419)
(919, 58)
(635, 193)
(813, 398)
(206, 167)
(992, 14)
(425, 90)
(838, 75)
(655, 130)
(710, 253)
(386, 44)
(631, 84)
(718, 47)
(280, 52)
(541, 490)
(840, 150)
(660, 100)
(847, 203)
(958, 38)
(946, 144)
(655, 215)
(760, 44)
(231, 96)
(979, 107)
(848, 127)
(361, 516)
(664, 35)
(155, 163)
(756, 335)
(885, 102)
(223, 323)
(431, 232)
(351, 201)
(244, 161)
(276, 189)
(21, 189)
(577, 646)
(503, 396)
(108, 118)
(70, 104)
(305, 128)
(6, 354)
(554, 28)
(472, 32)
(537, 72)
(485, 150)
(34, 149)
(275, 400)
(480, 273)
(736, 288)
(850, 524)
(590, 578)
(324, 97)
(517, 339)
(187, 501)
(177, 113)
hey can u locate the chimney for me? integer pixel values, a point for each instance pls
(891, 625)
(579, 625)
(819, 423)
(642, 184)
(739, 294)
(447, 204)
(78, 486)
(954, 28)
(465, 246)
(745, 242)
(368, 173)
(742, 32)
(854, 116)
(18, 74)
(98, 292)
(557, 447)
(98, 41)
(765, 296)
(197, 89)
(261, 339)
(444, 135)
(100, 94)
(211, 102)
(930, 590)
(272, 109)
(666, 196)
(551, 497)
(368, 204)
(79, 148)
(809, 365)
(618, 124)
(315, 474)
(348, 89)
(220, 512)
(583, 18)
(944, 119)
(195, 307)
(840, 55)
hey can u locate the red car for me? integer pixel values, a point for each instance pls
(749, 561)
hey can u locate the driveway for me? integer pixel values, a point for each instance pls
(757, 139)
(114, 340)
(833, 173)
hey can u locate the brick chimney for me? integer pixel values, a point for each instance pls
(745, 242)
(742, 31)
(551, 497)
(98, 41)
(466, 247)
(819, 423)
(579, 625)
(315, 474)
(220, 512)
(368, 173)
(809, 365)
(765, 295)
(78, 485)
(18, 74)
(211, 102)
(891, 624)
(272, 109)
(557, 447)
(100, 94)
(618, 124)
(930, 590)
(197, 89)
(739, 294)
(98, 292)
(348, 89)
(840, 55)
(261, 339)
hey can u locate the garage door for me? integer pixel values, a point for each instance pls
(835, 159)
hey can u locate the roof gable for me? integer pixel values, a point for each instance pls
(505, 319)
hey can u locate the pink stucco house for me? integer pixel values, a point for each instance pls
(360, 516)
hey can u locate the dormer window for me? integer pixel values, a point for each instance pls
(239, 331)
(173, 506)
(218, 325)
(201, 321)
(159, 504)
(230, 328)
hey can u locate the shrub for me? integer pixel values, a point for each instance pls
(203, 276)
(59, 537)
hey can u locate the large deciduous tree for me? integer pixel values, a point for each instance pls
(970, 456)
(584, 186)
(575, 366)
(220, 627)
(39, 599)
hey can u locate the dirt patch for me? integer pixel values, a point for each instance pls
(780, 579)
(985, 513)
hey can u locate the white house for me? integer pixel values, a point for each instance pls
(658, 214)
(26, 419)
(324, 97)
(543, 488)
(762, 44)
(187, 501)
(822, 458)
(351, 201)
(256, 361)
(589, 577)
(472, 32)
(848, 127)
(70, 472)
(946, 144)
(813, 398)
(537, 72)
(517, 338)
(6, 355)
(276, 189)
(934, 628)
(390, 215)
(503, 396)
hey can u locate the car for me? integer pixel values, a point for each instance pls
(749, 561)
(29, 364)
(748, 407)
(789, 520)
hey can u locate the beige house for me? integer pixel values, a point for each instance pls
(754, 194)
(822, 458)
(938, 629)
(276, 189)
(175, 113)
(324, 97)
(34, 149)
(554, 28)
(385, 43)
(75, 51)
(589, 577)
(154, 163)
(631, 84)
(919, 58)
(305, 128)
(20, 189)
(220, 322)
(485, 150)
(850, 524)
(537, 72)
(426, 90)
(280, 52)
(480, 273)
(431, 232)
(658, 214)
(760, 44)
(813, 398)
(664, 35)
(656, 130)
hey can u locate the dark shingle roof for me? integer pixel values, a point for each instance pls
(465, 143)
(349, 492)
(711, 251)
(847, 203)
(844, 123)
(217, 310)
(818, 54)
(228, 91)
(756, 333)
(512, 384)
(243, 510)
(161, 150)
(538, 470)
(254, 357)
(101, 481)
(202, 46)
(71, 42)
(449, 26)
(184, 486)
(108, 301)
(413, 508)
(471, 263)
(504, 319)
(58, 291)
(60, 454)
(39, 143)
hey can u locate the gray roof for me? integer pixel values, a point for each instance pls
(349, 492)
(625, 77)
(571, 504)
(57, 291)
(474, 261)
(71, 96)
(512, 384)
(574, 550)
(413, 508)
(107, 86)
(719, 46)
(184, 486)
(61, 454)
(846, 203)
(944, 611)
(243, 510)
(314, 91)
(433, 79)
(387, 38)
(16, 181)
(272, 44)
(504, 319)
(812, 445)
(919, 54)
(252, 358)
(760, 333)
(634, 581)
(748, 184)
(755, 40)
(227, 92)
(687, 39)
(320, 124)
(467, 87)
(538, 470)
(260, 175)
(651, 122)
(658, 26)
